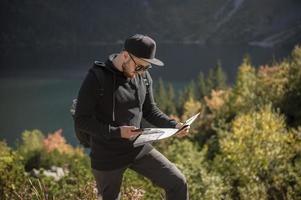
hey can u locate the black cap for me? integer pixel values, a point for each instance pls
(143, 47)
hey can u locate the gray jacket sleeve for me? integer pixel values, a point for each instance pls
(152, 113)
(85, 119)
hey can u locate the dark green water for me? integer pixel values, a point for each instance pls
(43, 104)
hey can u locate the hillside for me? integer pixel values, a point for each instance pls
(101, 22)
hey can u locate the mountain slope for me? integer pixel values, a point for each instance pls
(192, 21)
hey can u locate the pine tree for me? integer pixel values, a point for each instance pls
(161, 95)
(171, 105)
(188, 93)
(291, 102)
(243, 95)
(210, 81)
(190, 90)
(202, 89)
(220, 77)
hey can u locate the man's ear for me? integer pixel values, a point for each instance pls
(126, 56)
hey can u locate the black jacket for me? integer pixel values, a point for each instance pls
(123, 101)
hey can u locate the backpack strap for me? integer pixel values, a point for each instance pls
(98, 71)
(146, 81)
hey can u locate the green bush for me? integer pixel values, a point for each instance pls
(40, 153)
(203, 183)
(256, 157)
(12, 174)
(30, 148)
(290, 104)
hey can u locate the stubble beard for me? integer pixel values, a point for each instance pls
(126, 72)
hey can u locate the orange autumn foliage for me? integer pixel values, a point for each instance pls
(216, 100)
(57, 142)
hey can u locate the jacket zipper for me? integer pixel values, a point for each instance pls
(114, 85)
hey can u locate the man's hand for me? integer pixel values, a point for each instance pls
(127, 132)
(184, 131)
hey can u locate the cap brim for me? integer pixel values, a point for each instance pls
(154, 61)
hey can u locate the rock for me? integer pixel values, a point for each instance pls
(56, 172)
(35, 173)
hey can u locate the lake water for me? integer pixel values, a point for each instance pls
(37, 85)
(36, 104)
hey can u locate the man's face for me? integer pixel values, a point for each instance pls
(131, 64)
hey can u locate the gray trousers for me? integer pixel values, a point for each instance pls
(153, 166)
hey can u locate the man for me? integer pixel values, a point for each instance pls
(112, 116)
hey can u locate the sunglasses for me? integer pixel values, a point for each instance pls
(140, 68)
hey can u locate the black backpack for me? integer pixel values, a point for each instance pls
(83, 137)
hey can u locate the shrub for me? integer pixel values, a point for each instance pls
(290, 104)
(44, 153)
(202, 183)
(256, 156)
(12, 174)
